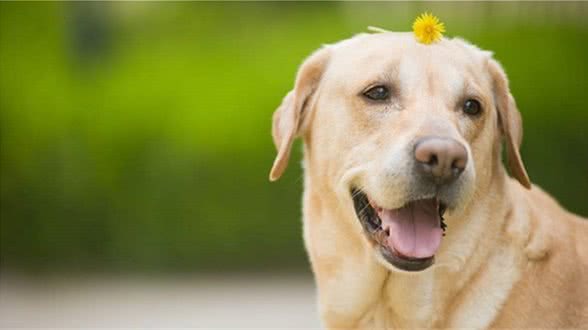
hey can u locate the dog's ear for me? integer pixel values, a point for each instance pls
(288, 119)
(510, 122)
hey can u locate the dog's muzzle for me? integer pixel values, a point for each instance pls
(408, 237)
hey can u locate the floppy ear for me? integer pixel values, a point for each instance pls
(288, 118)
(510, 122)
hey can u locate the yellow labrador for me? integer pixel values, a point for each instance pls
(410, 219)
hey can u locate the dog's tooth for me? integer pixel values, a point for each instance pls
(378, 220)
(380, 237)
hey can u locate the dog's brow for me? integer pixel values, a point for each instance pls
(473, 90)
(385, 78)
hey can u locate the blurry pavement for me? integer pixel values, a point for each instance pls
(238, 301)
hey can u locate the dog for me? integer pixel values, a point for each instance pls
(410, 218)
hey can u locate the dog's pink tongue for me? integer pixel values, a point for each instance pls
(415, 229)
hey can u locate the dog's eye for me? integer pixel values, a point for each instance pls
(377, 93)
(472, 107)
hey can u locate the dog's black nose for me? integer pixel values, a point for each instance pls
(441, 159)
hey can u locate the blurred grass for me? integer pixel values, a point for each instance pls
(135, 136)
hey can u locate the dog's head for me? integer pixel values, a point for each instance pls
(402, 132)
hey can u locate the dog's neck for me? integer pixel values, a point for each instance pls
(411, 299)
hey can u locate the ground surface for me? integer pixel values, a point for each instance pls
(209, 302)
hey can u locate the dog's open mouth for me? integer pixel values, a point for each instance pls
(408, 237)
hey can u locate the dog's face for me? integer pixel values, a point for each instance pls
(401, 132)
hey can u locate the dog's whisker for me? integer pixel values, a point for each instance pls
(365, 207)
(355, 193)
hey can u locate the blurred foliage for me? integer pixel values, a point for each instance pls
(135, 136)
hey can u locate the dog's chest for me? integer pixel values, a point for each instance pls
(426, 302)
(411, 302)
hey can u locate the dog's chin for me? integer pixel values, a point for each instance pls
(407, 237)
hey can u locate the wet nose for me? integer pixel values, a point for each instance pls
(441, 159)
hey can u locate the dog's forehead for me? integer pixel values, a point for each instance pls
(371, 55)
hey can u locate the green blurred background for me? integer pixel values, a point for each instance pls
(135, 136)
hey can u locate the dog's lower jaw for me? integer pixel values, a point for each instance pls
(357, 290)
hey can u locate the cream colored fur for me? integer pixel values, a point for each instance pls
(512, 257)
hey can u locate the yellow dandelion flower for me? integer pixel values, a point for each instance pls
(427, 28)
